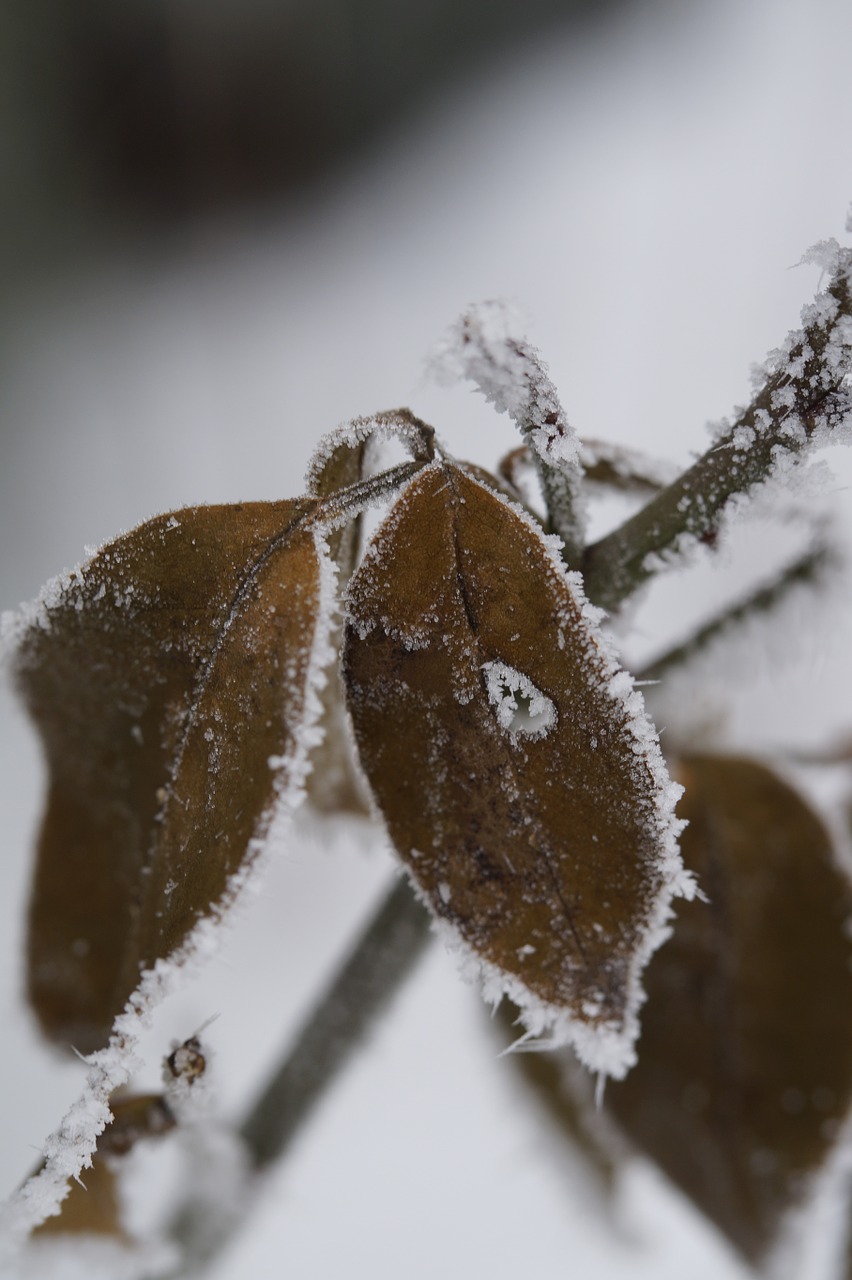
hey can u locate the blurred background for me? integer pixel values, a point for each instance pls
(224, 228)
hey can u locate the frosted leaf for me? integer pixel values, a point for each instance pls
(549, 856)
(229, 632)
(340, 458)
(162, 675)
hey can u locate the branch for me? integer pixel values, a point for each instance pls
(377, 967)
(483, 347)
(804, 400)
(807, 570)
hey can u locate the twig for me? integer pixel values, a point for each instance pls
(805, 395)
(377, 967)
(484, 346)
(806, 570)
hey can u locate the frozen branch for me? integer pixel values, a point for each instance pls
(377, 967)
(484, 347)
(804, 400)
(807, 570)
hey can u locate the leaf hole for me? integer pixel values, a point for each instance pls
(521, 708)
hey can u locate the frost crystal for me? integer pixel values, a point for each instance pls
(521, 708)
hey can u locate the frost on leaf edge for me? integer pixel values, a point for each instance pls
(608, 1050)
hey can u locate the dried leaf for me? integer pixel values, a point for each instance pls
(745, 1058)
(171, 679)
(519, 778)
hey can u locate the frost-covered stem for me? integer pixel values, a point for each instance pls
(350, 501)
(377, 966)
(806, 570)
(805, 397)
(485, 347)
(553, 446)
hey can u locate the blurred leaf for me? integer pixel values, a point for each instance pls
(745, 1056)
(168, 680)
(517, 785)
(135, 1117)
(614, 467)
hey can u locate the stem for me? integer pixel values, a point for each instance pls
(350, 502)
(379, 964)
(804, 396)
(483, 347)
(805, 570)
(376, 968)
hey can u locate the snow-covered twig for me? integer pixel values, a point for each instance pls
(486, 346)
(804, 400)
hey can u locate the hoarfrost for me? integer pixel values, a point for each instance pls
(373, 431)
(522, 709)
(487, 346)
(15, 623)
(604, 1049)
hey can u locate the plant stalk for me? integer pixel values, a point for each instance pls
(804, 396)
(377, 967)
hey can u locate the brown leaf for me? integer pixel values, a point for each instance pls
(169, 680)
(338, 471)
(745, 1057)
(542, 836)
